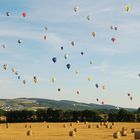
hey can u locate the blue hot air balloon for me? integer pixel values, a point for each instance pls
(54, 59)
(68, 66)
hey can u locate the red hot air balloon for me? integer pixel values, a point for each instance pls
(113, 39)
(24, 14)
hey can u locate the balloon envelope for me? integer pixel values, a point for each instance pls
(54, 59)
(24, 14)
(68, 66)
(65, 56)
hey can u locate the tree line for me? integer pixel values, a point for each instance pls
(55, 115)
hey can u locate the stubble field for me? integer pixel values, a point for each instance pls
(60, 131)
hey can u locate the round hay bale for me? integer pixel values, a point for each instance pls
(133, 130)
(48, 126)
(72, 133)
(113, 123)
(124, 129)
(124, 133)
(64, 125)
(29, 133)
(137, 135)
(75, 129)
(101, 123)
(71, 124)
(117, 134)
(89, 126)
(30, 126)
(7, 125)
(98, 126)
(86, 122)
(107, 126)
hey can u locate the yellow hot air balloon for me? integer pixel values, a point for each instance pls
(53, 79)
(89, 78)
(127, 8)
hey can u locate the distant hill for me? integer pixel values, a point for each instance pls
(37, 103)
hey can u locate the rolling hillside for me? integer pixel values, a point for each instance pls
(37, 103)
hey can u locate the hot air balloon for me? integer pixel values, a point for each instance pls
(75, 8)
(13, 70)
(54, 59)
(93, 34)
(96, 85)
(78, 92)
(131, 98)
(128, 94)
(88, 17)
(59, 89)
(62, 48)
(5, 66)
(90, 62)
(24, 14)
(73, 43)
(8, 14)
(113, 39)
(89, 78)
(19, 41)
(82, 53)
(127, 8)
(116, 28)
(53, 79)
(97, 99)
(77, 72)
(34, 79)
(45, 37)
(102, 103)
(66, 56)
(68, 66)
(103, 87)
(111, 27)
(24, 82)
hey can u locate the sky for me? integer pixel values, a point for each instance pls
(115, 65)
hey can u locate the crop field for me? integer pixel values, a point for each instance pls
(60, 131)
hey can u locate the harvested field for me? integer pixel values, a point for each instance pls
(56, 131)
